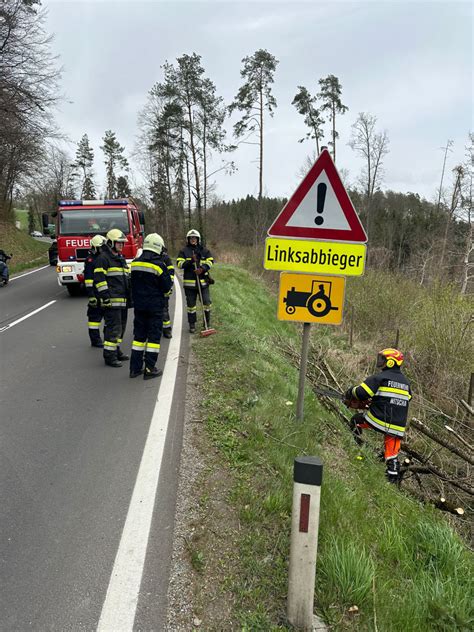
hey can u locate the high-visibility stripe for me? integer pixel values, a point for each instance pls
(151, 350)
(152, 345)
(397, 395)
(99, 270)
(117, 273)
(101, 284)
(143, 266)
(367, 389)
(383, 425)
(110, 345)
(138, 343)
(191, 310)
(93, 325)
(398, 391)
(88, 282)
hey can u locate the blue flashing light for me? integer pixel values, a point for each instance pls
(70, 203)
(115, 202)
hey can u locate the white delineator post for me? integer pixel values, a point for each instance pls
(307, 477)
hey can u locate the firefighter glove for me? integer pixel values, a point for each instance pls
(92, 302)
(106, 302)
(200, 271)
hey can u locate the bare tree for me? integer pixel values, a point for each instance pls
(373, 147)
(28, 92)
(468, 212)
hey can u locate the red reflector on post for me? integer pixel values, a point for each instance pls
(304, 512)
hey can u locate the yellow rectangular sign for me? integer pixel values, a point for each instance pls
(309, 298)
(320, 257)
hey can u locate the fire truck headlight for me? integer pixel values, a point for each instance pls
(66, 269)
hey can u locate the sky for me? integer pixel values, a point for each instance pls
(408, 63)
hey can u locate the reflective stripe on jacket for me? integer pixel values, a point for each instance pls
(112, 277)
(390, 393)
(150, 281)
(204, 260)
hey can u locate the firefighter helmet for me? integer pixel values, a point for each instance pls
(97, 241)
(115, 235)
(389, 358)
(193, 233)
(154, 242)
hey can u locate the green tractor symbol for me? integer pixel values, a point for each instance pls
(318, 303)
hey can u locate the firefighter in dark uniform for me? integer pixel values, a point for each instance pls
(95, 313)
(387, 394)
(167, 326)
(195, 261)
(4, 272)
(150, 282)
(112, 286)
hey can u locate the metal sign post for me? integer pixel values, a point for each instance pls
(303, 365)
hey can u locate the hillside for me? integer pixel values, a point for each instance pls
(400, 562)
(27, 252)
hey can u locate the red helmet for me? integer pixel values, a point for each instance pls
(389, 358)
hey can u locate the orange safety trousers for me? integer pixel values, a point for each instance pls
(391, 444)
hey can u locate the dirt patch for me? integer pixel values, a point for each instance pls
(205, 529)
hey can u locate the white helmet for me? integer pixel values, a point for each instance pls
(97, 241)
(154, 242)
(193, 233)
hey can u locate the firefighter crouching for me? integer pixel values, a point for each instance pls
(167, 326)
(196, 261)
(387, 394)
(150, 282)
(112, 286)
(95, 313)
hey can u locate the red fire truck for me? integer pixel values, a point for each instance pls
(77, 221)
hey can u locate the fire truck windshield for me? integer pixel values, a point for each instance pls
(92, 220)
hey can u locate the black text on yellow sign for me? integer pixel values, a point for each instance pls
(311, 298)
(314, 256)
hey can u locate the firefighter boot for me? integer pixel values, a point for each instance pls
(121, 355)
(149, 374)
(393, 470)
(167, 332)
(192, 328)
(110, 359)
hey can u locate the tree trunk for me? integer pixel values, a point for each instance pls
(195, 166)
(334, 132)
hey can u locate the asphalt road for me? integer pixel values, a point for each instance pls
(81, 448)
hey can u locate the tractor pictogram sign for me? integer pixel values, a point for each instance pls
(308, 298)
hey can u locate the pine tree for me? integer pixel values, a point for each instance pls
(84, 161)
(330, 95)
(305, 104)
(114, 158)
(253, 98)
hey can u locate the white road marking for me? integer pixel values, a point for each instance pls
(15, 322)
(27, 273)
(118, 611)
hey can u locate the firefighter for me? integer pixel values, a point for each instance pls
(167, 326)
(112, 286)
(95, 312)
(387, 394)
(150, 282)
(196, 261)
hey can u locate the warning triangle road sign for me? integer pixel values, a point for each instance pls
(320, 208)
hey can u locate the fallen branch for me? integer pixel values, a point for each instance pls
(423, 428)
(458, 436)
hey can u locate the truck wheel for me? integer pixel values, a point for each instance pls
(74, 289)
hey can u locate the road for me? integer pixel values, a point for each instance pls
(83, 538)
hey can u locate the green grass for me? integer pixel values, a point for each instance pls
(21, 215)
(27, 252)
(380, 550)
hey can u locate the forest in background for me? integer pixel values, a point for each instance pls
(182, 142)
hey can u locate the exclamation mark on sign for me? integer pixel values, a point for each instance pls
(321, 197)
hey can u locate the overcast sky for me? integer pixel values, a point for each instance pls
(408, 63)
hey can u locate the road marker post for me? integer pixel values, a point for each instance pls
(307, 477)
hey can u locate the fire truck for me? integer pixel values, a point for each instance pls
(77, 221)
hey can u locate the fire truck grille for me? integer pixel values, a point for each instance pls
(81, 253)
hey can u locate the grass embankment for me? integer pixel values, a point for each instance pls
(398, 561)
(27, 252)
